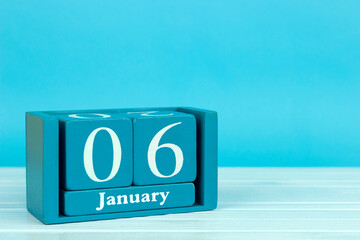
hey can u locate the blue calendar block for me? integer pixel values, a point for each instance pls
(127, 199)
(164, 147)
(117, 163)
(95, 151)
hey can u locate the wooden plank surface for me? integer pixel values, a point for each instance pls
(254, 203)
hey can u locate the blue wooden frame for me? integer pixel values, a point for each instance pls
(42, 166)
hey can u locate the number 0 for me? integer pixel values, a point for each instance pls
(88, 155)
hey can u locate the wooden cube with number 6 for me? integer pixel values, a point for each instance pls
(164, 147)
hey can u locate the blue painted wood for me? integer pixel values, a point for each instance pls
(42, 166)
(207, 156)
(46, 162)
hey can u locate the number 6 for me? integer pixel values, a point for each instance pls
(154, 146)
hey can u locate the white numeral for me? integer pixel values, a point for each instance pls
(88, 155)
(154, 146)
(89, 115)
(151, 113)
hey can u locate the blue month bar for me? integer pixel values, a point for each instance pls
(110, 200)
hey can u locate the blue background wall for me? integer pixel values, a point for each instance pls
(283, 75)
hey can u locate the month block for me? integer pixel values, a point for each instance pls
(164, 147)
(127, 199)
(95, 151)
(115, 163)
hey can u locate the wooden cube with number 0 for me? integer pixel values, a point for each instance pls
(96, 151)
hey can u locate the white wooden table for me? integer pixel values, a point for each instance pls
(254, 203)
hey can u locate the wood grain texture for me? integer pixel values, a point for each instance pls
(254, 203)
